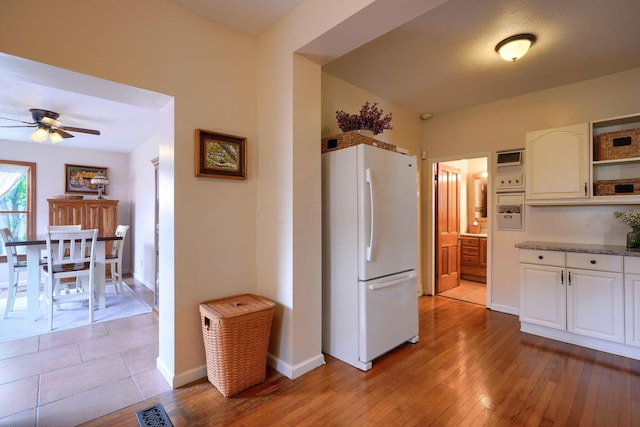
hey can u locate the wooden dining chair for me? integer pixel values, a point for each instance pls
(114, 259)
(14, 266)
(79, 264)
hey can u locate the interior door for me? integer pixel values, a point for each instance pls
(447, 228)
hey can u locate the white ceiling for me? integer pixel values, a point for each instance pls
(252, 17)
(445, 59)
(122, 125)
(441, 61)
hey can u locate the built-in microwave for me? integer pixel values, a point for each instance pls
(509, 158)
(510, 170)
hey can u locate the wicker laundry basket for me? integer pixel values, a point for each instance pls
(236, 336)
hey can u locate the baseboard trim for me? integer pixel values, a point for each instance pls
(140, 279)
(286, 369)
(505, 309)
(184, 378)
(293, 372)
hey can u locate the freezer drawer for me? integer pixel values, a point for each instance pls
(388, 314)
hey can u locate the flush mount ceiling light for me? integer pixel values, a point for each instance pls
(514, 47)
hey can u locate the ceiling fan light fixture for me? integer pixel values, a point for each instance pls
(54, 136)
(49, 121)
(515, 47)
(40, 134)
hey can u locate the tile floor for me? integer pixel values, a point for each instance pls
(72, 376)
(468, 291)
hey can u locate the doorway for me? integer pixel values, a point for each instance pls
(460, 225)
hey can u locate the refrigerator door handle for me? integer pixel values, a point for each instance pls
(376, 286)
(368, 180)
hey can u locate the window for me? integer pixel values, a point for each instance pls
(17, 199)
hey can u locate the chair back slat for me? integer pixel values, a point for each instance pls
(71, 247)
(12, 253)
(118, 245)
(71, 255)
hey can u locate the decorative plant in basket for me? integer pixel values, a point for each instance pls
(370, 118)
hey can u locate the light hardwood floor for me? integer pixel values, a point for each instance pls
(471, 367)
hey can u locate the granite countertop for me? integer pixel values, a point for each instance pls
(579, 247)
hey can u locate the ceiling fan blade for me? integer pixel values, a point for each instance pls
(21, 121)
(18, 126)
(63, 133)
(82, 130)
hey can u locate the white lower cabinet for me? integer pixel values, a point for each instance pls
(582, 294)
(595, 304)
(543, 295)
(632, 300)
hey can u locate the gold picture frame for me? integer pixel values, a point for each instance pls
(220, 155)
(77, 179)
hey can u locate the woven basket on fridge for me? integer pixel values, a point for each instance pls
(349, 139)
(236, 337)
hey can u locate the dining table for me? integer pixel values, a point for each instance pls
(34, 249)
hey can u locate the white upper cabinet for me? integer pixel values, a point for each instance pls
(557, 164)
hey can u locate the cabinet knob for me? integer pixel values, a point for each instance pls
(593, 261)
(540, 257)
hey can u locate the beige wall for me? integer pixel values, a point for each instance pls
(226, 237)
(288, 199)
(211, 72)
(502, 125)
(221, 237)
(338, 94)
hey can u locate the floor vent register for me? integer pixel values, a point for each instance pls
(155, 416)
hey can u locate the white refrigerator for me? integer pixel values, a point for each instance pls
(370, 253)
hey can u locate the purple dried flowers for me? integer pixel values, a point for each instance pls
(370, 118)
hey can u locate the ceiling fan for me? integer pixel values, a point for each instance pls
(46, 124)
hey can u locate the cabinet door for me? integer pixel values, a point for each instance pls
(543, 296)
(103, 216)
(557, 163)
(632, 309)
(595, 304)
(66, 213)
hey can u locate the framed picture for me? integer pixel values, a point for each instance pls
(220, 156)
(77, 179)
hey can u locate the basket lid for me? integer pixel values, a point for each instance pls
(235, 306)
